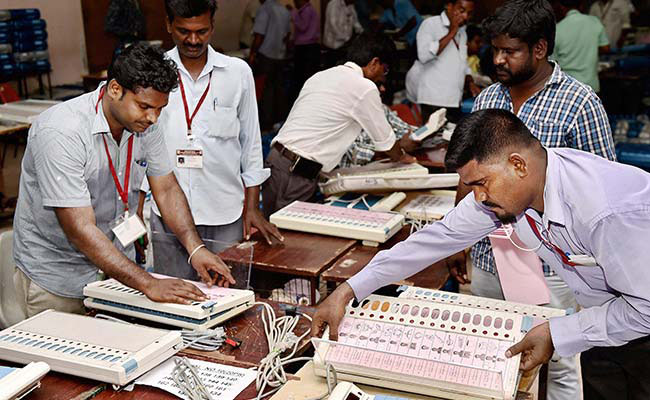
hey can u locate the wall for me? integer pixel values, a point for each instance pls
(65, 36)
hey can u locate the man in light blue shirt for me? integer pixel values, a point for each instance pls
(587, 217)
(224, 192)
(402, 15)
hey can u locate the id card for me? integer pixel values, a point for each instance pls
(189, 158)
(128, 228)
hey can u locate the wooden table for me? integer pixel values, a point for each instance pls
(246, 327)
(301, 254)
(353, 261)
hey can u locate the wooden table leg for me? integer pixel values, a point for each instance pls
(314, 284)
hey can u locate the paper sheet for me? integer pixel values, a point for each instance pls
(223, 381)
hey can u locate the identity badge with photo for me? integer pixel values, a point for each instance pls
(189, 158)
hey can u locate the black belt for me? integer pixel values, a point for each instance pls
(301, 166)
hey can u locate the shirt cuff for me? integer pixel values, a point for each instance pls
(62, 203)
(387, 144)
(255, 177)
(363, 284)
(567, 335)
(433, 48)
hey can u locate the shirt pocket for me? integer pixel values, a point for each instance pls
(223, 123)
(550, 133)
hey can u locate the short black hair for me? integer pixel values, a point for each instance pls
(189, 8)
(370, 45)
(571, 3)
(144, 66)
(473, 31)
(527, 20)
(484, 134)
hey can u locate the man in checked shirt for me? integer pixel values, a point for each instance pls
(560, 112)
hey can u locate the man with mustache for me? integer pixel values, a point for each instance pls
(560, 112)
(212, 134)
(83, 166)
(585, 216)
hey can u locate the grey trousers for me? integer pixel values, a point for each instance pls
(564, 382)
(284, 187)
(169, 255)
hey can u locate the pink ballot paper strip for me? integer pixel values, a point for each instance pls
(520, 272)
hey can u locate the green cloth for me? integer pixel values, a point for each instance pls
(577, 39)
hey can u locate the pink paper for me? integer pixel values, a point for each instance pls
(520, 272)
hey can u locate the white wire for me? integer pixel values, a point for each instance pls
(508, 235)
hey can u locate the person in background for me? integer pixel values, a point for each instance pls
(579, 39)
(474, 45)
(401, 15)
(306, 30)
(341, 23)
(560, 112)
(247, 21)
(268, 57)
(615, 16)
(333, 107)
(440, 72)
(217, 96)
(83, 166)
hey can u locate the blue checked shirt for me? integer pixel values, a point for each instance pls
(565, 113)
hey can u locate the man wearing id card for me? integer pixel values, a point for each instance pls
(84, 163)
(212, 133)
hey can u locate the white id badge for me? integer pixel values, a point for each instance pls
(128, 228)
(189, 158)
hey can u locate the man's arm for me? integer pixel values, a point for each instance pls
(460, 228)
(259, 31)
(410, 24)
(176, 213)
(80, 228)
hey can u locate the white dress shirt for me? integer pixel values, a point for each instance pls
(438, 79)
(341, 22)
(615, 15)
(332, 108)
(226, 128)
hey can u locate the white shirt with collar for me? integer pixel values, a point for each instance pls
(226, 128)
(438, 79)
(341, 22)
(332, 108)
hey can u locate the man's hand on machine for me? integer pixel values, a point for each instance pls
(331, 311)
(536, 347)
(457, 266)
(205, 263)
(173, 291)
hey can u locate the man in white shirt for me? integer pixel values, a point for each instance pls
(213, 137)
(331, 110)
(268, 54)
(439, 73)
(615, 15)
(247, 21)
(341, 23)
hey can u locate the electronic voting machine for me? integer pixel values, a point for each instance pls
(16, 383)
(93, 348)
(224, 303)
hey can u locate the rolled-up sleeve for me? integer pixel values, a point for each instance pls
(460, 228)
(261, 23)
(369, 113)
(620, 246)
(60, 161)
(158, 162)
(252, 167)
(428, 40)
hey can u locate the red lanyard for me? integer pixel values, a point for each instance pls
(563, 256)
(188, 118)
(123, 192)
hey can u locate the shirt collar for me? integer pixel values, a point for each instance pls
(445, 18)
(572, 12)
(556, 78)
(100, 124)
(354, 66)
(553, 210)
(215, 60)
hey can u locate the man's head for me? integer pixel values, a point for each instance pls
(387, 3)
(462, 8)
(300, 3)
(373, 53)
(474, 39)
(139, 81)
(562, 7)
(522, 34)
(497, 156)
(190, 22)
